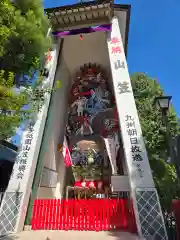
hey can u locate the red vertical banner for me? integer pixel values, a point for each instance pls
(67, 157)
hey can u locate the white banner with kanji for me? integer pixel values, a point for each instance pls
(135, 152)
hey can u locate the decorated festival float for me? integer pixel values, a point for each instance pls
(83, 158)
(92, 132)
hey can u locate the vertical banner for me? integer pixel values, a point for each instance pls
(15, 201)
(110, 147)
(149, 217)
(66, 154)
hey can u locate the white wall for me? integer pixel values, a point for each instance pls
(75, 53)
(56, 128)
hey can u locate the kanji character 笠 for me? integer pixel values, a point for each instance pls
(123, 87)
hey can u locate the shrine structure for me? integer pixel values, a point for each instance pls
(86, 145)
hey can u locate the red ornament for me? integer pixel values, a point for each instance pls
(81, 37)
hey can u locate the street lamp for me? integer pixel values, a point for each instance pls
(163, 103)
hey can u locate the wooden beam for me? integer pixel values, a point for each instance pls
(83, 23)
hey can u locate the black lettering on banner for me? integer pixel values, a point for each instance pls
(130, 124)
(20, 175)
(22, 168)
(25, 154)
(139, 170)
(129, 118)
(123, 87)
(31, 128)
(132, 132)
(23, 161)
(137, 157)
(28, 141)
(29, 135)
(135, 149)
(119, 64)
(134, 140)
(26, 148)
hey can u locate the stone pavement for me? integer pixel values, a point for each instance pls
(71, 235)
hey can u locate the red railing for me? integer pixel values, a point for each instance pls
(92, 215)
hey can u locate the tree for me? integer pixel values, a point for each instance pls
(23, 43)
(19, 104)
(154, 131)
(23, 30)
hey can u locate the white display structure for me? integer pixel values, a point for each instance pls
(148, 212)
(15, 201)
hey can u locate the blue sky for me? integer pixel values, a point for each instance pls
(154, 40)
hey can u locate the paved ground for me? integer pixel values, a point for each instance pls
(71, 235)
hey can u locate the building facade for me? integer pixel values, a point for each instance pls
(86, 142)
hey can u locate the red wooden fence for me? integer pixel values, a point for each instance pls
(92, 215)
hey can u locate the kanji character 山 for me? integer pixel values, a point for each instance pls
(119, 64)
(26, 148)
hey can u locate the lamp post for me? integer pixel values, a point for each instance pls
(163, 102)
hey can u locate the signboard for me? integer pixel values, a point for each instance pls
(136, 156)
(27, 152)
(15, 201)
(144, 195)
(66, 154)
